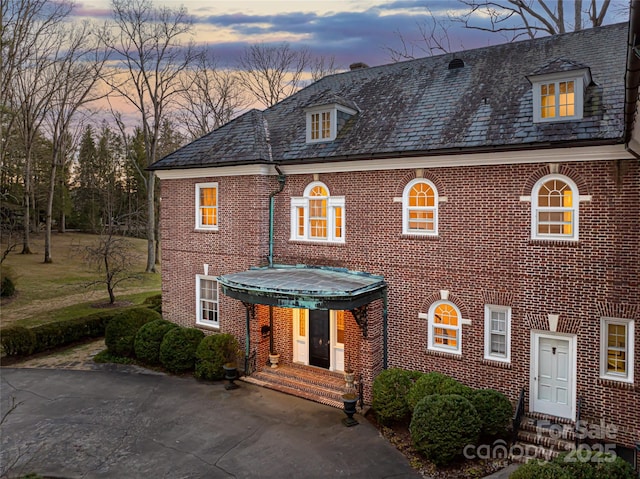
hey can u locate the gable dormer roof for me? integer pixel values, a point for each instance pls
(422, 107)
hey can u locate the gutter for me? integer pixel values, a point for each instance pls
(632, 79)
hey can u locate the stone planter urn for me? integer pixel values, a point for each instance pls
(230, 374)
(349, 400)
(348, 379)
(273, 359)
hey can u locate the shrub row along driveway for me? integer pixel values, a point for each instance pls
(114, 423)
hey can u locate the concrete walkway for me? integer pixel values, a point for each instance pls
(125, 423)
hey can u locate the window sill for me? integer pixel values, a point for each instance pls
(444, 354)
(617, 384)
(496, 364)
(205, 230)
(208, 327)
(317, 242)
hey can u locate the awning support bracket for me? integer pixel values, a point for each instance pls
(361, 317)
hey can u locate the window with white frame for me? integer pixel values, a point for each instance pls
(445, 328)
(325, 121)
(207, 301)
(554, 209)
(616, 349)
(497, 333)
(559, 96)
(420, 208)
(207, 206)
(318, 216)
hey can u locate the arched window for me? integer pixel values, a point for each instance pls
(317, 216)
(420, 208)
(445, 327)
(554, 208)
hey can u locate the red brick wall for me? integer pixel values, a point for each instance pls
(483, 254)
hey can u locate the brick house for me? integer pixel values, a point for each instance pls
(474, 213)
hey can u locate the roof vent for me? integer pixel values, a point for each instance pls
(456, 63)
(358, 66)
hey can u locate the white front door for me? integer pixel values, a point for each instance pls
(553, 375)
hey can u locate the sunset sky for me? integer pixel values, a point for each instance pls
(350, 30)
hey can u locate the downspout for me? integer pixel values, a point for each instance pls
(632, 78)
(282, 178)
(385, 310)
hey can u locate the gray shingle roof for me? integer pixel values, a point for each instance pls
(423, 107)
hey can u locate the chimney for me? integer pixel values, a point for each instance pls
(358, 66)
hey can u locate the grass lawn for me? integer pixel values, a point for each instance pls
(50, 292)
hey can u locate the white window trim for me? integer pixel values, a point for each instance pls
(604, 374)
(431, 324)
(333, 110)
(199, 320)
(488, 309)
(405, 209)
(581, 78)
(575, 208)
(333, 202)
(199, 225)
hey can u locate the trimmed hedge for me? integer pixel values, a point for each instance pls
(212, 353)
(120, 333)
(390, 390)
(435, 383)
(148, 339)
(583, 464)
(495, 411)
(178, 349)
(442, 425)
(154, 302)
(7, 287)
(20, 341)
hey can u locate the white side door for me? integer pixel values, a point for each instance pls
(301, 336)
(553, 375)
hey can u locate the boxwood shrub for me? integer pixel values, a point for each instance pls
(390, 390)
(442, 425)
(495, 411)
(584, 464)
(121, 331)
(154, 302)
(17, 341)
(435, 383)
(178, 349)
(213, 351)
(148, 340)
(7, 287)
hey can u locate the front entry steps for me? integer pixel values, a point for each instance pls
(543, 437)
(315, 384)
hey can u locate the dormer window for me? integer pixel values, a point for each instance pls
(559, 96)
(324, 122)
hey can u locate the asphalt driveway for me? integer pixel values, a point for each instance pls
(131, 424)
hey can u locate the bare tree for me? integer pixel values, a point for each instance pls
(114, 258)
(432, 39)
(29, 42)
(148, 41)
(530, 18)
(322, 66)
(210, 96)
(76, 72)
(272, 72)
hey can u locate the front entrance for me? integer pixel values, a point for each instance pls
(319, 338)
(553, 373)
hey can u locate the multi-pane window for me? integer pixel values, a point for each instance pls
(497, 332)
(207, 301)
(557, 99)
(207, 206)
(554, 209)
(320, 125)
(420, 208)
(340, 327)
(444, 327)
(318, 216)
(616, 349)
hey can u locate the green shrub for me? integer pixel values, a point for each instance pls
(121, 331)
(17, 341)
(442, 425)
(154, 302)
(178, 349)
(7, 288)
(435, 383)
(213, 351)
(608, 467)
(390, 390)
(540, 470)
(495, 411)
(148, 340)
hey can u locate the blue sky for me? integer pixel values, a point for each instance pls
(350, 30)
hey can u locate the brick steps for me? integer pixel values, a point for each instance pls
(543, 437)
(324, 387)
